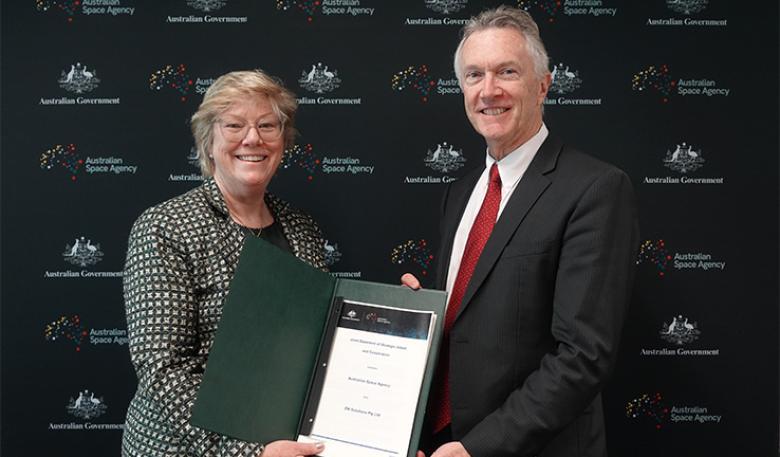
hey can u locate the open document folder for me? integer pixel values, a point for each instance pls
(302, 355)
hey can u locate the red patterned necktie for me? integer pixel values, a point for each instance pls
(478, 236)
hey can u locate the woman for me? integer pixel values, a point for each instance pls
(182, 255)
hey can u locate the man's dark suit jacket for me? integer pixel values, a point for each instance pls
(537, 331)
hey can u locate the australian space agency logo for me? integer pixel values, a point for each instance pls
(86, 406)
(312, 8)
(419, 81)
(654, 409)
(206, 6)
(304, 158)
(656, 254)
(684, 158)
(82, 252)
(654, 80)
(650, 408)
(414, 79)
(550, 9)
(319, 79)
(79, 79)
(68, 329)
(67, 158)
(172, 78)
(301, 157)
(414, 254)
(62, 157)
(658, 80)
(72, 8)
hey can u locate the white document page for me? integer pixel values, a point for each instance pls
(373, 381)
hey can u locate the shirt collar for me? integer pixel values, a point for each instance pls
(512, 167)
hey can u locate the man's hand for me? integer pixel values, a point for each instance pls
(284, 448)
(451, 449)
(410, 281)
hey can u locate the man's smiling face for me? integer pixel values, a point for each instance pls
(502, 93)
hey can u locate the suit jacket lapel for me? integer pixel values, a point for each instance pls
(528, 190)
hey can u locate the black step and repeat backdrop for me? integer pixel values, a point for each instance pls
(682, 94)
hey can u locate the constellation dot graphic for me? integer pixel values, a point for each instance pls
(650, 406)
(62, 156)
(67, 328)
(308, 7)
(303, 157)
(69, 7)
(654, 252)
(656, 79)
(548, 7)
(416, 78)
(415, 252)
(174, 78)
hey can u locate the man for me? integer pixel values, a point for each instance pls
(537, 253)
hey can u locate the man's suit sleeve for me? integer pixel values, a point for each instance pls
(592, 289)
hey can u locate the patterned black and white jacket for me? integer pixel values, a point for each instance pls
(181, 258)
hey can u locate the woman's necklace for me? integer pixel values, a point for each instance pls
(254, 231)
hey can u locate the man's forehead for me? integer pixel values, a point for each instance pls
(494, 46)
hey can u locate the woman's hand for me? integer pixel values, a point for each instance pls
(284, 448)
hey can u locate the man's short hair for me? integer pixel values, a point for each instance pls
(512, 18)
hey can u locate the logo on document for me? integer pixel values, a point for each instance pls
(86, 406)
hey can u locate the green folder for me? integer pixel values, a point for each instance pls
(261, 367)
